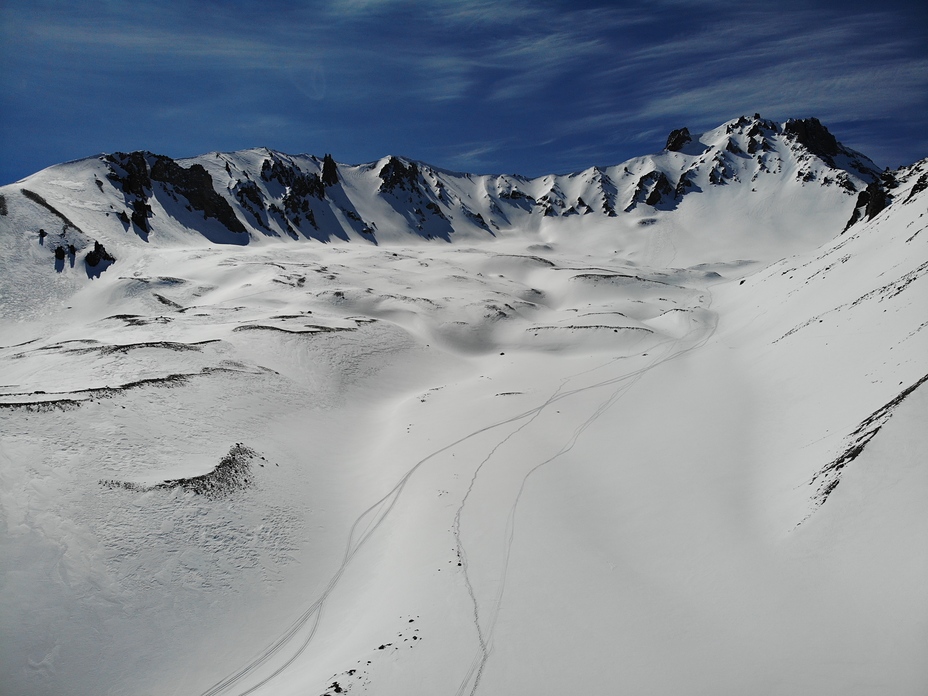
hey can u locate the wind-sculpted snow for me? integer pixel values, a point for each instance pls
(678, 449)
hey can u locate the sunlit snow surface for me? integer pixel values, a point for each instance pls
(581, 458)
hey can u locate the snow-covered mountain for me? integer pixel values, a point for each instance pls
(245, 197)
(650, 428)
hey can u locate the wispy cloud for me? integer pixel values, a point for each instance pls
(799, 62)
(499, 86)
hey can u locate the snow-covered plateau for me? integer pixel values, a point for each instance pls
(276, 425)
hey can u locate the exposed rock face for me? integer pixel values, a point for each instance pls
(662, 187)
(921, 184)
(877, 201)
(870, 202)
(684, 184)
(135, 181)
(3, 209)
(276, 170)
(196, 185)
(732, 147)
(677, 139)
(811, 133)
(305, 185)
(652, 188)
(140, 169)
(135, 184)
(300, 187)
(329, 171)
(94, 256)
(141, 211)
(249, 197)
(396, 175)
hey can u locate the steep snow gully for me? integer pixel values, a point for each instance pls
(272, 424)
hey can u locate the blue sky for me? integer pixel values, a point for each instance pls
(526, 87)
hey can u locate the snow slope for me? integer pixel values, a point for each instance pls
(677, 447)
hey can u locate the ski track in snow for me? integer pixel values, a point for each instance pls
(374, 516)
(625, 382)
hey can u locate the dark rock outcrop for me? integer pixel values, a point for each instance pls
(870, 202)
(652, 188)
(684, 184)
(329, 171)
(141, 211)
(135, 180)
(677, 139)
(396, 175)
(300, 187)
(134, 172)
(249, 197)
(96, 255)
(305, 185)
(877, 201)
(814, 136)
(130, 172)
(921, 184)
(196, 185)
(662, 187)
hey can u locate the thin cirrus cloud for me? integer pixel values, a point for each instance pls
(504, 86)
(805, 62)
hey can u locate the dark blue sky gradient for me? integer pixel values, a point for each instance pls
(527, 87)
